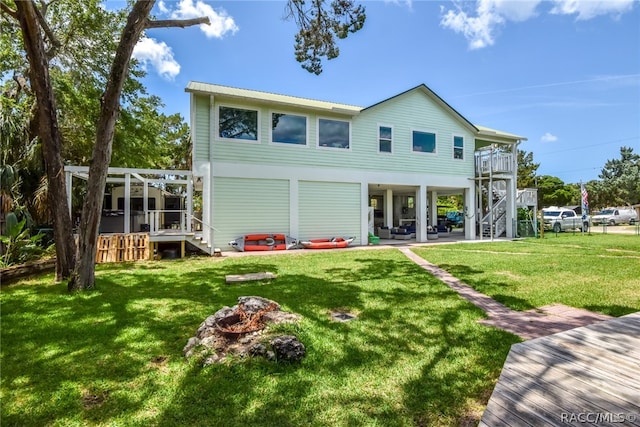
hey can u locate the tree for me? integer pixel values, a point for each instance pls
(621, 179)
(552, 191)
(526, 170)
(318, 26)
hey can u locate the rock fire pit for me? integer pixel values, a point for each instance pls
(241, 330)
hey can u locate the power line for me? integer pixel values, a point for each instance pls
(590, 146)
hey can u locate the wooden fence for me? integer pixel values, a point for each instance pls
(122, 247)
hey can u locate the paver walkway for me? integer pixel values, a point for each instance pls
(530, 324)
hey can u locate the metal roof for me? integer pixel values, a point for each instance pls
(485, 132)
(272, 98)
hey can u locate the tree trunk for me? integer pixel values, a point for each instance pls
(83, 276)
(50, 135)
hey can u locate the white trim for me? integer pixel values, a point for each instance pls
(453, 145)
(423, 130)
(305, 173)
(336, 149)
(386, 153)
(286, 144)
(217, 136)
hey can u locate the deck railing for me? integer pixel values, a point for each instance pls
(493, 162)
(159, 220)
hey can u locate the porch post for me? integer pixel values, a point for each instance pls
(470, 213)
(68, 181)
(127, 203)
(388, 208)
(421, 213)
(364, 213)
(511, 213)
(189, 202)
(145, 201)
(433, 209)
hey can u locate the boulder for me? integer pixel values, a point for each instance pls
(288, 348)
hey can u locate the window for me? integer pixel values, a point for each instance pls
(424, 142)
(458, 147)
(237, 123)
(333, 133)
(288, 129)
(385, 138)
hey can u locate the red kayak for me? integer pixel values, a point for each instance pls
(263, 242)
(333, 243)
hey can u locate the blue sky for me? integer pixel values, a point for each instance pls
(565, 73)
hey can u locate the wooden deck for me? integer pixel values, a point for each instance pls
(584, 376)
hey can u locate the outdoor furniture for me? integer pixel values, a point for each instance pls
(384, 233)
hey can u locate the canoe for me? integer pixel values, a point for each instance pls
(263, 242)
(333, 243)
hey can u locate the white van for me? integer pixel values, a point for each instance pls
(615, 216)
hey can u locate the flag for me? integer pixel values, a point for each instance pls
(585, 199)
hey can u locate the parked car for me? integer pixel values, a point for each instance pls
(615, 216)
(563, 219)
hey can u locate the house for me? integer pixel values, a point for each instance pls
(273, 163)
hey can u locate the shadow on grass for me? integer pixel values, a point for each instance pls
(91, 357)
(612, 310)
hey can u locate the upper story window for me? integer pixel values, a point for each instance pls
(385, 139)
(424, 142)
(238, 123)
(334, 133)
(458, 147)
(288, 129)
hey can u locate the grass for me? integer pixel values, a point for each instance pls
(414, 356)
(596, 272)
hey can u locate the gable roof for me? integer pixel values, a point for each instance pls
(434, 96)
(272, 98)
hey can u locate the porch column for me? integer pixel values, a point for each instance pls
(470, 213)
(189, 202)
(364, 213)
(67, 182)
(511, 213)
(145, 202)
(421, 213)
(433, 208)
(388, 208)
(127, 203)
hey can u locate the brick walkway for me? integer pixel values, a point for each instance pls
(530, 324)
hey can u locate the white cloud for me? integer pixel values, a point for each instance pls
(479, 26)
(221, 22)
(547, 137)
(479, 23)
(587, 9)
(159, 55)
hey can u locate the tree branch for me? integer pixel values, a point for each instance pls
(47, 30)
(6, 9)
(182, 23)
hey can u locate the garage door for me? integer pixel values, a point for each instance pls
(328, 209)
(245, 206)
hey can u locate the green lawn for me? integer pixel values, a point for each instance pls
(596, 272)
(415, 356)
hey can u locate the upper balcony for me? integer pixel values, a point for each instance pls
(494, 162)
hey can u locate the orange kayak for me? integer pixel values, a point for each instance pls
(333, 243)
(263, 242)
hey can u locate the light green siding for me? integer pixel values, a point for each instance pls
(412, 110)
(245, 206)
(328, 209)
(201, 129)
